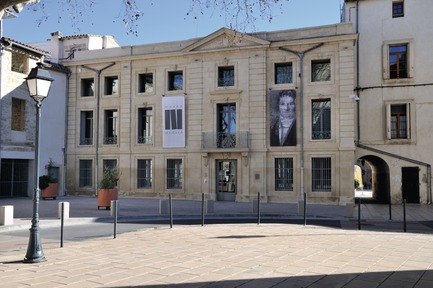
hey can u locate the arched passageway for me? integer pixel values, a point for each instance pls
(375, 177)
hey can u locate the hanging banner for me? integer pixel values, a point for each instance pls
(173, 121)
(283, 117)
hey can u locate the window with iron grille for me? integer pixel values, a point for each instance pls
(87, 87)
(283, 73)
(110, 136)
(321, 119)
(18, 119)
(174, 173)
(398, 61)
(397, 9)
(321, 174)
(145, 83)
(145, 125)
(86, 127)
(144, 173)
(226, 76)
(321, 70)
(226, 125)
(85, 178)
(284, 174)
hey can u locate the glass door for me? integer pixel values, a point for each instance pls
(226, 180)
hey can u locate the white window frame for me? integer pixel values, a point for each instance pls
(410, 60)
(410, 115)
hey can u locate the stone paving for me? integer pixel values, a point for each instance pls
(228, 255)
(235, 255)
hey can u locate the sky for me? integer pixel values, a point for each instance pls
(163, 20)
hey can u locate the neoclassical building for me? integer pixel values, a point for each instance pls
(228, 115)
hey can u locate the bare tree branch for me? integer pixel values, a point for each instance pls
(239, 15)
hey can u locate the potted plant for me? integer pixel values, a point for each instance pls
(48, 186)
(107, 190)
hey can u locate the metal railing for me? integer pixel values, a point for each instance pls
(225, 140)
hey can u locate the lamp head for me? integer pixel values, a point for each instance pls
(39, 83)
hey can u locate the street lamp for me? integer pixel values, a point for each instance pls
(39, 83)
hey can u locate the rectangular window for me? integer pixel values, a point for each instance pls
(111, 128)
(284, 174)
(111, 85)
(109, 164)
(145, 83)
(18, 119)
(398, 61)
(145, 125)
(87, 87)
(226, 125)
(321, 119)
(19, 63)
(175, 80)
(397, 9)
(174, 173)
(86, 128)
(144, 173)
(321, 70)
(283, 73)
(399, 121)
(85, 180)
(321, 174)
(226, 76)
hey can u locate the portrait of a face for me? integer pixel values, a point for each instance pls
(283, 118)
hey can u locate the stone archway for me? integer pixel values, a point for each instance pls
(380, 179)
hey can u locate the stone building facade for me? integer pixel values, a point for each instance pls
(394, 88)
(198, 116)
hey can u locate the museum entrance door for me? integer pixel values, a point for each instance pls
(226, 180)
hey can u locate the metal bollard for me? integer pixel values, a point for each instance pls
(202, 209)
(359, 213)
(305, 209)
(62, 224)
(171, 210)
(114, 209)
(258, 208)
(404, 215)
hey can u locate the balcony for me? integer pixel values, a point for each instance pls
(222, 140)
(144, 139)
(110, 140)
(86, 141)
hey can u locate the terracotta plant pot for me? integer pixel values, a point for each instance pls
(105, 196)
(50, 191)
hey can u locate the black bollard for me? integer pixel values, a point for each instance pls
(202, 209)
(62, 224)
(115, 218)
(258, 208)
(305, 209)
(359, 213)
(404, 215)
(170, 210)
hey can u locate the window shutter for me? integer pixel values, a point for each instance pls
(388, 121)
(408, 122)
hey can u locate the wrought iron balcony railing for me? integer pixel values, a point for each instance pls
(225, 140)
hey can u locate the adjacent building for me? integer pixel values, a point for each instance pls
(394, 88)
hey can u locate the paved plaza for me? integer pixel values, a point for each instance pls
(235, 255)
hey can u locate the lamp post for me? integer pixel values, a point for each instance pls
(39, 83)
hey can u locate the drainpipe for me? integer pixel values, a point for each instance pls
(98, 100)
(358, 126)
(301, 55)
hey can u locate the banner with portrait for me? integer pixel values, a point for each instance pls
(282, 105)
(173, 121)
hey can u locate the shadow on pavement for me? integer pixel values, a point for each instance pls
(401, 279)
